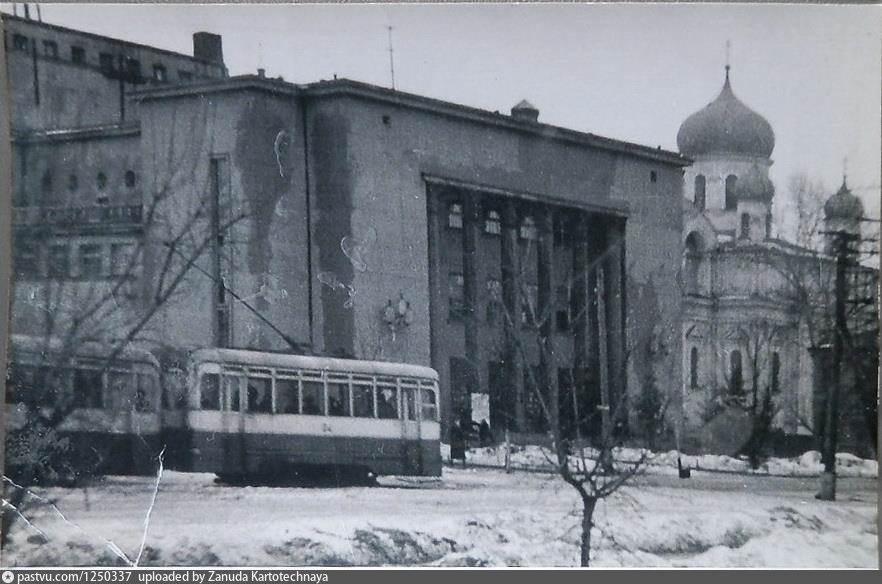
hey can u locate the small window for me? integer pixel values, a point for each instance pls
(130, 178)
(132, 68)
(653, 176)
(50, 49)
(260, 398)
(59, 261)
(20, 42)
(528, 228)
(287, 396)
(492, 223)
(185, 76)
(745, 226)
(159, 73)
(73, 183)
(78, 55)
(731, 201)
(90, 261)
(700, 192)
(454, 216)
(209, 394)
(27, 260)
(105, 61)
(387, 402)
(101, 181)
(313, 397)
(88, 391)
(338, 398)
(362, 401)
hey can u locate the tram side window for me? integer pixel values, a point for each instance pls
(119, 386)
(408, 402)
(313, 397)
(209, 396)
(259, 395)
(430, 407)
(287, 396)
(362, 401)
(231, 393)
(338, 398)
(87, 389)
(19, 382)
(387, 404)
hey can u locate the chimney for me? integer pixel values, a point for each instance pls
(525, 112)
(208, 47)
(261, 73)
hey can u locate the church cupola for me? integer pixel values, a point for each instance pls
(754, 192)
(843, 212)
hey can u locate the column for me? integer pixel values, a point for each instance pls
(473, 281)
(511, 287)
(547, 310)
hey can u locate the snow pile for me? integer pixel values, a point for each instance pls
(809, 464)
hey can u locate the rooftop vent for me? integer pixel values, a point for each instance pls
(525, 111)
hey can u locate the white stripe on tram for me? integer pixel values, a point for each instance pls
(213, 421)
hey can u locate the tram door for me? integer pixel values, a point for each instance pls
(410, 429)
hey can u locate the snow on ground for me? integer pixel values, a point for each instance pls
(806, 465)
(468, 517)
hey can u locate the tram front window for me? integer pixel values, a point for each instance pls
(338, 399)
(259, 395)
(430, 409)
(362, 401)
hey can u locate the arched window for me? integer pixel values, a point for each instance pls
(731, 201)
(745, 226)
(700, 192)
(101, 181)
(73, 183)
(454, 216)
(130, 178)
(776, 372)
(736, 377)
(693, 368)
(691, 263)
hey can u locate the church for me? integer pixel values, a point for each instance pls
(757, 308)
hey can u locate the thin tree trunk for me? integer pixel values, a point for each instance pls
(588, 505)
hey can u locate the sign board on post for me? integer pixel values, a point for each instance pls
(480, 407)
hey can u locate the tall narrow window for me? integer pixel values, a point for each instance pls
(130, 178)
(456, 293)
(736, 377)
(700, 192)
(776, 372)
(693, 368)
(768, 225)
(492, 223)
(731, 201)
(528, 228)
(454, 216)
(745, 226)
(216, 178)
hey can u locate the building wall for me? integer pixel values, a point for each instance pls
(50, 90)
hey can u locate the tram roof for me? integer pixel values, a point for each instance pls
(81, 349)
(268, 359)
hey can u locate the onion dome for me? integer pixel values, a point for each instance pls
(755, 185)
(843, 205)
(726, 126)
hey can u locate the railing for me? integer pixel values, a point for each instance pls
(92, 214)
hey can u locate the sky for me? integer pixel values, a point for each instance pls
(632, 72)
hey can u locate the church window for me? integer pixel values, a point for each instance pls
(768, 226)
(776, 372)
(736, 376)
(700, 192)
(731, 201)
(745, 226)
(130, 178)
(693, 368)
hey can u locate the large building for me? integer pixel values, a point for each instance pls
(337, 217)
(758, 309)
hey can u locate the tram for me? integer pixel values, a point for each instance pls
(270, 414)
(113, 424)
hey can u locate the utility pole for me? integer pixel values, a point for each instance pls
(842, 251)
